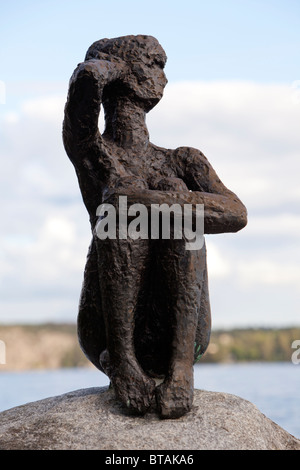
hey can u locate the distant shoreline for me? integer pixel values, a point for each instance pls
(55, 345)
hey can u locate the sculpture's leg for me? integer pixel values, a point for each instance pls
(204, 316)
(90, 322)
(121, 267)
(185, 273)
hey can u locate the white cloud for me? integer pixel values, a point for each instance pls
(45, 232)
(32, 148)
(248, 131)
(48, 108)
(218, 265)
(279, 225)
(268, 272)
(55, 253)
(11, 117)
(60, 229)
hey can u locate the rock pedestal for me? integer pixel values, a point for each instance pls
(92, 419)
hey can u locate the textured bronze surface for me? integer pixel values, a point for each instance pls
(144, 310)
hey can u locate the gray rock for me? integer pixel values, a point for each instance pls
(92, 419)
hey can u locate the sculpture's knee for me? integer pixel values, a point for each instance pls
(200, 348)
(105, 362)
(202, 336)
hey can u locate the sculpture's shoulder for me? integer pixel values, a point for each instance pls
(189, 154)
(189, 160)
(180, 154)
(181, 161)
(156, 150)
(161, 158)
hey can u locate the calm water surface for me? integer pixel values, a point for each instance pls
(272, 387)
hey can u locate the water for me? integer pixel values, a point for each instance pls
(272, 387)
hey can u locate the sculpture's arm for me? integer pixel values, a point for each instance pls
(80, 127)
(223, 210)
(81, 136)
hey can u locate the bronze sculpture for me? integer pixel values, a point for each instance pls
(144, 310)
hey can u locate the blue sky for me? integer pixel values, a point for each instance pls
(233, 92)
(237, 39)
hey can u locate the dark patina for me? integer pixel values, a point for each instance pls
(144, 310)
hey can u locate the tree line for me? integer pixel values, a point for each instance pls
(263, 344)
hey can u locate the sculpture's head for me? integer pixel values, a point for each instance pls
(145, 60)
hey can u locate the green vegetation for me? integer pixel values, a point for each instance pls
(269, 345)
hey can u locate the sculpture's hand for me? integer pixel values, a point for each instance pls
(131, 183)
(168, 184)
(103, 71)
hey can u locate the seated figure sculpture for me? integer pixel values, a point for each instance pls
(144, 310)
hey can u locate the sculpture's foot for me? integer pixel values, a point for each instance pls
(131, 385)
(175, 396)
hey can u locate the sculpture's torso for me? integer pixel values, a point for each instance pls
(152, 168)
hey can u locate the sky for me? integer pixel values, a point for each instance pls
(233, 92)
